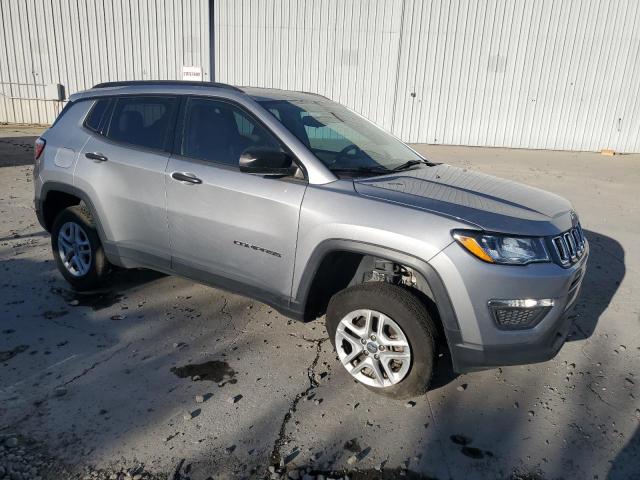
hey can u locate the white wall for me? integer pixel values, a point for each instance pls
(81, 43)
(553, 74)
(346, 50)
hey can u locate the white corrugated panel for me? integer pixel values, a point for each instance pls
(346, 51)
(557, 74)
(553, 74)
(532, 74)
(81, 43)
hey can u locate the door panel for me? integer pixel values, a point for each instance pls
(128, 190)
(234, 225)
(230, 224)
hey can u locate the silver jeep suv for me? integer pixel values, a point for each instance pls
(302, 204)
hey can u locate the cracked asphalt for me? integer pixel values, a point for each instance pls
(193, 382)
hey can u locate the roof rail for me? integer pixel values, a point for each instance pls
(132, 83)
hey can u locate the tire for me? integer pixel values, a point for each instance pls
(408, 313)
(94, 267)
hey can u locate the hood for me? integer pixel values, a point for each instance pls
(490, 203)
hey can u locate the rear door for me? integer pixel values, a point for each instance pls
(227, 224)
(122, 168)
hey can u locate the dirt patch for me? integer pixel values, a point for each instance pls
(460, 439)
(368, 474)
(51, 314)
(353, 446)
(9, 354)
(466, 450)
(213, 371)
(472, 452)
(26, 459)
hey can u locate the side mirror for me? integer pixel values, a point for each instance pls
(266, 162)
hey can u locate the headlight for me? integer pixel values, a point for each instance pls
(503, 249)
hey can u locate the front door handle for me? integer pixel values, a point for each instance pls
(96, 156)
(186, 177)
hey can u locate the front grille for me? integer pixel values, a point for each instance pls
(570, 245)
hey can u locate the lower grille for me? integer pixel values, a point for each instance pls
(513, 318)
(519, 314)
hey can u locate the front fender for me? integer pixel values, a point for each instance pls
(436, 285)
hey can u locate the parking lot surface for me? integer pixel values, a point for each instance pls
(187, 381)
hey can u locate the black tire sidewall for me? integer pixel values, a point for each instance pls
(409, 313)
(98, 267)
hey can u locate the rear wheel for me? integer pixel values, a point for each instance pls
(384, 338)
(77, 249)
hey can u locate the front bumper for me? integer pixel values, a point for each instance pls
(468, 358)
(475, 341)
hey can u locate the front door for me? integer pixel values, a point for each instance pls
(231, 227)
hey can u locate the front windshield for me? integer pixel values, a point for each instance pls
(345, 142)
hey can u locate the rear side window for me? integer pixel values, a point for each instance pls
(96, 114)
(143, 121)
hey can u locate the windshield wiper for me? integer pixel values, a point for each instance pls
(380, 170)
(406, 165)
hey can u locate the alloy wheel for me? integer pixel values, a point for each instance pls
(373, 348)
(74, 249)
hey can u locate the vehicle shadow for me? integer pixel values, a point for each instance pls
(443, 373)
(118, 283)
(625, 463)
(16, 151)
(605, 271)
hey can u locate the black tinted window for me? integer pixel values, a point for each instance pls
(220, 132)
(95, 115)
(142, 121)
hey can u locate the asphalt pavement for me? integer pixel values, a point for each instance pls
(191, 382)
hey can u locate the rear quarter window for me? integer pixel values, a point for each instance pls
(94, 119)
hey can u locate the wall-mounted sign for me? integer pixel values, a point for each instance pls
(54, 91)
(192, 73)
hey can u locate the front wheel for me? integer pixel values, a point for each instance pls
(77, 249)
(384, 338)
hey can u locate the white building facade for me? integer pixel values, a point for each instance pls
(543, 74)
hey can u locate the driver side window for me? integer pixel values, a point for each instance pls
(219, 132)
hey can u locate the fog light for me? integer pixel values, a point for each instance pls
(519, 314)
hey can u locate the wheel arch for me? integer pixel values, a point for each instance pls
(56, 196)
(353, 253)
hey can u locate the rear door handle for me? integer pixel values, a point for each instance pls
(96, 156)
(186, 177)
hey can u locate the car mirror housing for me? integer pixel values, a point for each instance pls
(266, 162)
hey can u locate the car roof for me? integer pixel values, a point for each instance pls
(189, 87)
(266, 94)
